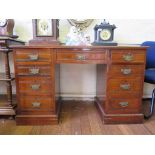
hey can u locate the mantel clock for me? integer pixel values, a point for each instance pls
(6, 27)
(104, 34)
(45, 31)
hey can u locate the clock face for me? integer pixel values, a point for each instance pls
(44, 27)
(3, 22)
(105, 34)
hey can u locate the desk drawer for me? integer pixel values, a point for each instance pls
(35, 86)
(33, 56)
(126, 71)
(128, 56)
(33, 70)
(125, 85)
(124, 106)
(37, 103)
(81, 57)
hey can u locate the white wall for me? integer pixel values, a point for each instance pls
(80, 80)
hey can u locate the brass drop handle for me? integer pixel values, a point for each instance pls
(35, 86)
(126, 71)
(33, 57)
(125, 86)
(128, 57)
(80, 57)
(36, 104)
(34, 71)
(124, 104)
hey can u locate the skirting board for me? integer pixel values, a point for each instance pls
(88, 97)
(78, 97)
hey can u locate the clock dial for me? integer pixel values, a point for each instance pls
(44, 27)
(3, 22)
(105, 34)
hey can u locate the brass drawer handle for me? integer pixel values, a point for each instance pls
(128, 57)
(35, 86)
(126, 71)
(80, 57)
(125, 86)
(33, 57)
(36, 104)
(124, 104)
(34, 71)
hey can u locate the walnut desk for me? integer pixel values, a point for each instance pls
(119, 89)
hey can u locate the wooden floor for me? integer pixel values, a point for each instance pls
(78, 118)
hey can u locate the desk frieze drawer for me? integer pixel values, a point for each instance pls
(32, 70)
(33, 56)
(127, 56)
(126, 70)
(37, 103)
(124, 106)
(35, 86)
(81, 57)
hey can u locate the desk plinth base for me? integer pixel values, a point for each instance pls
(52, 119)
(36, 119)
(118, 118)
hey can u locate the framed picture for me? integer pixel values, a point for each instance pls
(44, 27)
(45, 31)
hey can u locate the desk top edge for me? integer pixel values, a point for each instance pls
(80, 47)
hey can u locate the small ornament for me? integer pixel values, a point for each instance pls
(76, 37)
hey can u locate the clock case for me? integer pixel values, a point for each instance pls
(98, 29)
(7, 29)
(41, 40)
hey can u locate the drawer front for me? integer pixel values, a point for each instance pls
(37, 103)
(124, 106)
(35, 86)
(33, 70)
(33, 56)
(128, 56)
(126, 70)
(81, 57)
(124, 94)
(125, 85)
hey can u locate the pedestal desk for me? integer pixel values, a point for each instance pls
(119, 88)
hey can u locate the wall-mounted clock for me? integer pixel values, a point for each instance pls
(45, 31)
(6, 27)
(104, 34)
